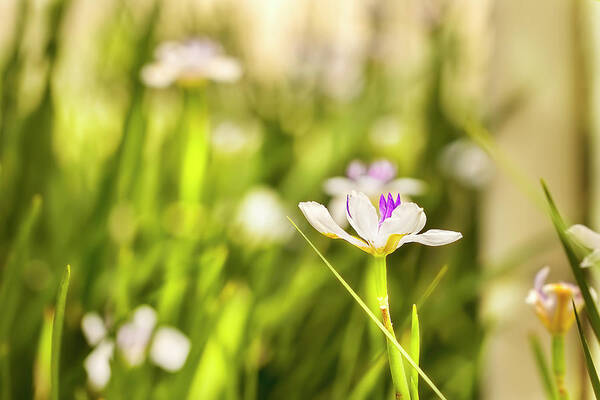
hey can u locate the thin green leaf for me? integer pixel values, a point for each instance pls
(574, 262)
(415, 349)
(371, 315)
(588, 357)
(543, 369)
(57, 326)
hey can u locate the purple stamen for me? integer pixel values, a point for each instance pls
(347, 206)
(387, 206)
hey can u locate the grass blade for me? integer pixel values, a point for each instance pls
(542, 365)
(589, 363)
(574, 262)
(371, 315)
(57, 327)
(415, 349)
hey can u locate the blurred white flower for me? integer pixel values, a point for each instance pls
(589, 239)
(93, 327)
(169, 349)
(230, 138)
(371, 180)
(466, 162)
(261, 218)
(133, 337)
(552, 302)
(190, 63)
(97, 364)
(398, 223)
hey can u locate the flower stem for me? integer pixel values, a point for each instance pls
(558, 364)
(394, 356)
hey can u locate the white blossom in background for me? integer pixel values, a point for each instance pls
(261, 218)
(93, 328)
(169, 349)
(97, 364)
(190, 63)
(397, 223)
(230, 138)
(589, 239)
(133, 337)
(373, 179)
(466, 162)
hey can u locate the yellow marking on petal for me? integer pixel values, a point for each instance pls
(391, 244)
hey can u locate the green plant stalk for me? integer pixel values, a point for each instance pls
(196, 146)
(57, 327)
(543, 368)
(415, 349)
(558, 364)
(394, 356)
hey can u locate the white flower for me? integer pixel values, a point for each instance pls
(190, 63)
(371, 180)
(97, 364)
(133, 337)
(261, 218)
(93, 328)
(590, 240)
(231, 139)
(397, 223)
(552, 302)
(466, 162)
(169, 349)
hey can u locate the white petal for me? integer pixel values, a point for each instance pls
(320, 219)
(170, 349)
(406, 186)
(433, 237)
(540, 278)
(592, 259)
(337, 208)
(362, 216)
(339, 186)
(93, 328)
(407, 218)
(585, 236)
(532, 297)
(97, 365)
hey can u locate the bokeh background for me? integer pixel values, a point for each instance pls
(177, 197)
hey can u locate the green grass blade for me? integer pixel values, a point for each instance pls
(574, 262)
(57, 327)
(415, 349)
(542, 365)
(591, 369)
(371, 315)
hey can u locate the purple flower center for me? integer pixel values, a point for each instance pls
(387, 206)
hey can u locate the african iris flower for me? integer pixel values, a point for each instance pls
(590, 240)
(380, 234)
(552, 302)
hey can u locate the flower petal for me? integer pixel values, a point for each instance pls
(433, 237)
(320, 219)
(592, 259)
(406, 218)
(406, 186)
(339, 186)
(585, 236)
(362, 216)
(540, 278)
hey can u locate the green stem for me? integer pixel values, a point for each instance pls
(558, 364)
(394, 356)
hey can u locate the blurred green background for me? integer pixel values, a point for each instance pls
(177, 197)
